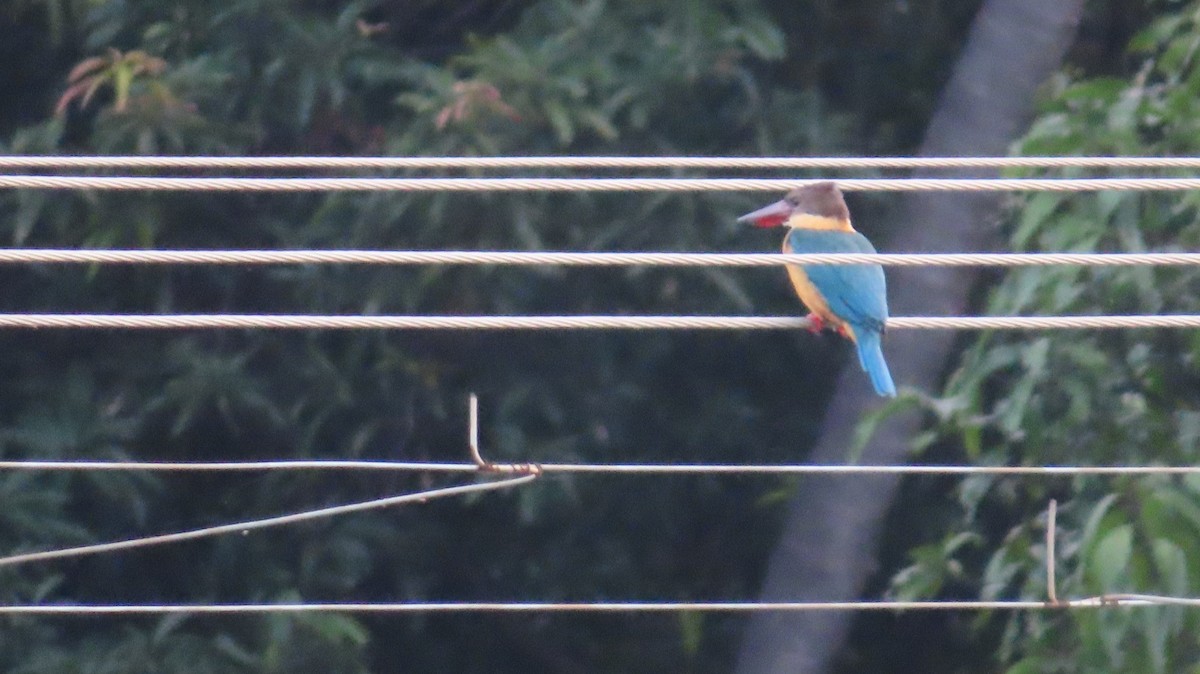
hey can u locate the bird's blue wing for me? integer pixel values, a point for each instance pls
(856, 293)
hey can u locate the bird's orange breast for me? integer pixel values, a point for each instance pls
(811, 297)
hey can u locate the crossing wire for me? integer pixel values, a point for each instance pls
(245, 526)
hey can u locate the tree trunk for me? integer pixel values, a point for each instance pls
(828, 545)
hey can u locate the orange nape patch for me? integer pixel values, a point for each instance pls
(809, 221)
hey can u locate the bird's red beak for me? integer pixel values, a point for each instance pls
(769, 216)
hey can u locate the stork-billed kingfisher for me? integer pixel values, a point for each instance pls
(851, 299)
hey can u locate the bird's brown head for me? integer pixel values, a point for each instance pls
(823, 200)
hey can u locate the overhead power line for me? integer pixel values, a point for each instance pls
(567, 259)
(1103, 601)
(327, 322)
(519, 474)
(575, 162)
(126, 183)
(593, 468)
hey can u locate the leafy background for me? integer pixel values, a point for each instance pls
(713, 77)
(1087, 398)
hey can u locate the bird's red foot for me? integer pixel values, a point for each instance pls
(815, 324)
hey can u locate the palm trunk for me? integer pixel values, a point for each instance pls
(828, 545)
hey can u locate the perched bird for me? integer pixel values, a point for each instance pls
(851, 299)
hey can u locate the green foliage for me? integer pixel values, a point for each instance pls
(1094, 397)
(418, 78)
(276, 76)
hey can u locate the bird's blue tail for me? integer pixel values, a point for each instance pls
(870, 354)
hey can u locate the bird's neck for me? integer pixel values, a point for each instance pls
(809, 221)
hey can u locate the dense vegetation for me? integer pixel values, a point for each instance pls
(1088, 398)
(496, 77)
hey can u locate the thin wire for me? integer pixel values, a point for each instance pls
(1103, 601)
(296, 162)
(242, 527)
(325, 322)
(594, 468)
(587, 184)
(421, 257)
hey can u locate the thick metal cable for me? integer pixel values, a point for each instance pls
(589, 162)
(415, 257)
(1104, 601)
(594, 468)
(325, 322)
(586, 184)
